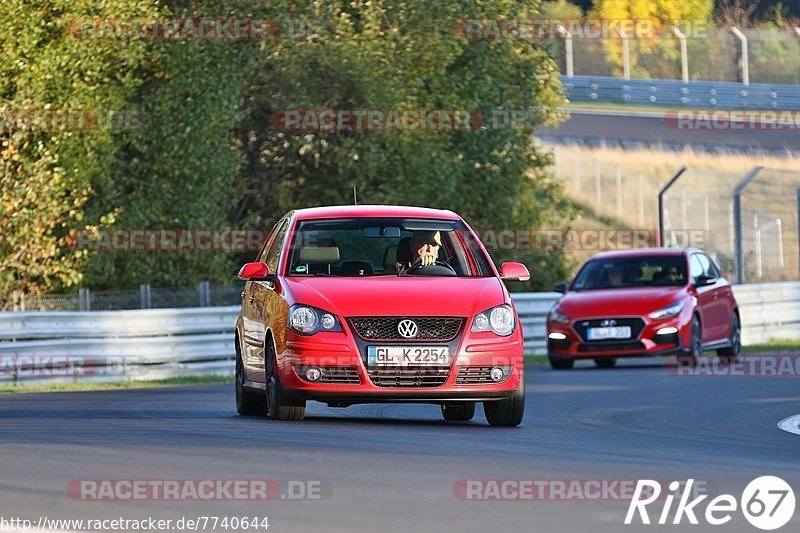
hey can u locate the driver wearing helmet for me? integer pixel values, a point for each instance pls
(424, 247)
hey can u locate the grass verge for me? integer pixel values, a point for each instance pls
(90, 386)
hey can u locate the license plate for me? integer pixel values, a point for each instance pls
(620, 332)
(408, 355)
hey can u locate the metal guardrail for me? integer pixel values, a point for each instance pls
(159, 343)
(702, 94)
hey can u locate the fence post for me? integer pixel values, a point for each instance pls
(84, 302)
(598, 191)
(626, 55)
(568, 48)
(684, 54)
(145, 296)
(737, 222)
(798, 207)
(641, 201)
(204, 290)
(661, 203)
(745, 59)
(619, 191)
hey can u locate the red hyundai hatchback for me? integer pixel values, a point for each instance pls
(645, 302)
(358, 304)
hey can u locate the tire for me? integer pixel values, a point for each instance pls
(507, 412)
(690, 358)
(247, 403)
(458, 412)
(731, 354)
(561, 364)
(279, 405)
(608, 362)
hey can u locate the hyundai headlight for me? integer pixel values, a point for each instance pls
(667, 312)
(556, 317)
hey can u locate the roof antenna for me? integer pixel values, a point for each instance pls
(355, 196)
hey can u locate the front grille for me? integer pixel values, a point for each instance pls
(636, 325)
(419, 377)
(476, 375)
(341, 375)
(385, 329)
(611, 347)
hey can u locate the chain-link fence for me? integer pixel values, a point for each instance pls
(762, 55)
(748, 220)
(147, 297)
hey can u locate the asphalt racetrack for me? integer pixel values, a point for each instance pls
(401, 467)
(647, 128)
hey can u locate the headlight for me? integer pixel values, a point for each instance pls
(667, 312)
(499, 320)
(558, 318)
(308, 320)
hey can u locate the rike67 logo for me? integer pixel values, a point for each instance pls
(767, 502)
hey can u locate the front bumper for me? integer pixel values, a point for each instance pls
(346, 377)
(648, 342)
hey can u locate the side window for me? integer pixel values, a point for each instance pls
(713, 271)
(706, 264)
(695, 267)
(271, 258)
(264, 247)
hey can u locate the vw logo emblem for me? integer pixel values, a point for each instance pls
(608, 323)
(407, 328)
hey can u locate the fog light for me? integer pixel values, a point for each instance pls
(497, 374)
(313, 374)
(667, 331)
(557, 336)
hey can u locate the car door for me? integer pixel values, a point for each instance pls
(264, 301)
(251, 327)
(705, 298)
(722, 309)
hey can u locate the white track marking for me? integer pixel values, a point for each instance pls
(791, 424)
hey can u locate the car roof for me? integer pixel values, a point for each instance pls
(368, 211)
(639, 252)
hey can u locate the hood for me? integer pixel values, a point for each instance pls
(398, 296)
(624, 301)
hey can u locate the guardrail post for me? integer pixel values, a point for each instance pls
(568, 49)
(684, 54)
(84, 300)
(145, 296)
(745, 59)
(737, 222)
(204, 291)
(661, 203)
(798, 205)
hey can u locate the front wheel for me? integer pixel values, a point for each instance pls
(279, 405)
(561, 364)
(730, 355)
(458, 412)
(507, 412)
(691, 358)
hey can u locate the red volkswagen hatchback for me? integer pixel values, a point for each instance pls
(358, 304)
(645, 302)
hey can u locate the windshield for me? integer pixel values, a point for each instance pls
(624, 272)
(382, 247)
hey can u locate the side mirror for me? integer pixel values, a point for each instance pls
(254, 272)
(702, 281)
(514, 271)
(561, 287)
